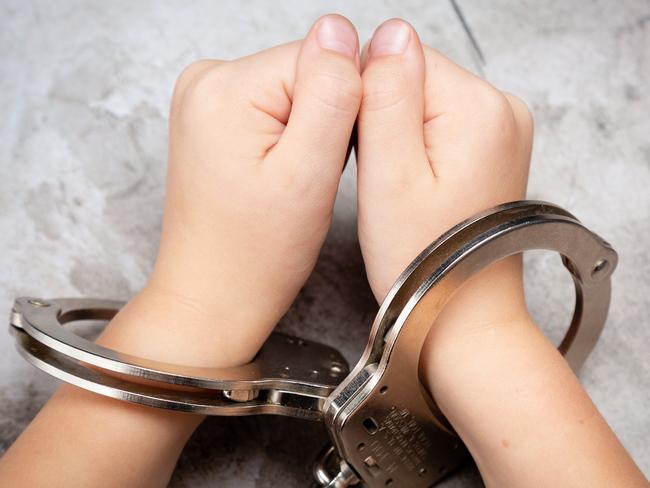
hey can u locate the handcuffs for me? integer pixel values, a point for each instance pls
(385, 429)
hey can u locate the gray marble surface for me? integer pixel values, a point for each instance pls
(84, 90)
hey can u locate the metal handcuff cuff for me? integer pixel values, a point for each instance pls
(385, 428)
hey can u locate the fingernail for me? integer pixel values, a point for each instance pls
(391, 37)
(336, 34)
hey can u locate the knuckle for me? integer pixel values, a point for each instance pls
(384, 88)
(200, 87)
(523, 115)
(210, 80)
(203, 84)
(493, 104)
(494, 114)
(337, 90)
(190, 73)
(197, 77)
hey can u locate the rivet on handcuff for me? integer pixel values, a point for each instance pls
(384, 427)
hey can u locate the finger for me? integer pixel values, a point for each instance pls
(391, 145)
(326, 94)
(461, 107)
(447, 85)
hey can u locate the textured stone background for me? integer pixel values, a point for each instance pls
(84, 90)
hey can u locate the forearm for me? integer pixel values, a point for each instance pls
(514, 400)
(84, 439)
(255, 162)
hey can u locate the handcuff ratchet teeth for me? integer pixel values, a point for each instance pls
(385, 429)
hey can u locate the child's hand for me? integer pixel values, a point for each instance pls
(256, 152)
(257, 146)
(436, 145)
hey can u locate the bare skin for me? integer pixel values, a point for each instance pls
(256, 151)
(436, 145)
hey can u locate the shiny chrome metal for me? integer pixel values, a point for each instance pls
(385, 428)
(325, 462)
(381, 420)
(289, 376)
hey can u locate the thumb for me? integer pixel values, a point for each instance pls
(326, 96)
(391, 135)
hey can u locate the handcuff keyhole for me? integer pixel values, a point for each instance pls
(370, 425)
(383, 390)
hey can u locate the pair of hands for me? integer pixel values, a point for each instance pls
(257, 147)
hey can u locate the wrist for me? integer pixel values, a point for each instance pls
(163, 325)
(490, 304)
(494, 296)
